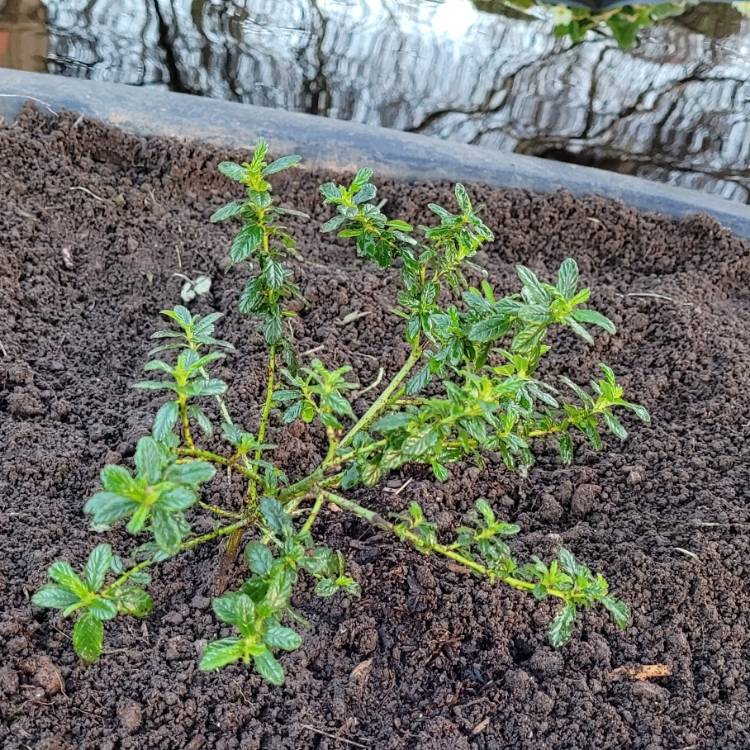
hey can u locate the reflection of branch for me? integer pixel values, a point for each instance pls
(315, 87)
(484, 108)
(170, 60)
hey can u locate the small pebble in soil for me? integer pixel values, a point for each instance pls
(584, 499)
(25, 404)
(130, 715)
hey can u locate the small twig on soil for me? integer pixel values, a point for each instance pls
(88, 192)
(375, 383)
(3, 350)
(33, 99)
(656, 295)
(400, 489)
(315, 730)
(314, 350)
(352, 316)
(686, 552)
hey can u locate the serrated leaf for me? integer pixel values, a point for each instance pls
(167, 530)
(148, 459)
(236, 609)
(561, 627)
(490, 329)
(533, 289)
(88, 637)
(191, 473)
(220, 653)
(285, 162)
(245, 243)
(594, 318)
(135, 602)
(55, 597)
(283, 638)
(116, 479)
(97, 566)
(226, 212)
(177, 499)
(233, 171)
(269, 667)
(259, 558)
(618, 609)
(275, 516)
(567, 278)
(165, 420)
(106, 508)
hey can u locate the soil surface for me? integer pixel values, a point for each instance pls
(94, 225)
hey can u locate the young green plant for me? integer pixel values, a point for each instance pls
(469, 386)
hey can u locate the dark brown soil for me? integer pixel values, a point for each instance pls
(95, 222)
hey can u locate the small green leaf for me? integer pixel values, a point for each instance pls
(177, 499)
(88, 637)
(618, 609)
(285, 162)
(275, 516)
(565, 446)
(192, 473)
(220, 653)
(594, 318)
(226, 212)
(567, 278)
(106, 508)
(283, 638)
(165, 420)
(135, 602)
(97, 566)
(561, 627)
(236, 609)
(55, 597)
(148, 459)
(269, 667)
(116, 479)
(614, 425)
(259, 558)
(167, 530)
(61, 572)
(232, 171)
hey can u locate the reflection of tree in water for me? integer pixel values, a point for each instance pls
(675, 109)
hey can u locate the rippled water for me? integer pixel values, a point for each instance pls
(674, 109)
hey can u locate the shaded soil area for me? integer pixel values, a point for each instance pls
(94, 225)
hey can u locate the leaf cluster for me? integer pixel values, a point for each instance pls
(263, 240)
(86, 597)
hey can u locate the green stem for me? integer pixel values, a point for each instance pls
(252, 490)
(218, 511)
(216, 458)
(182, 405)
(189, 544)
(310, 520)
(379, 522)
(382, 400)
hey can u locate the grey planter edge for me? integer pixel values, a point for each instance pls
(342, 145)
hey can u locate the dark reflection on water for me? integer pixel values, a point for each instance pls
(675, 109)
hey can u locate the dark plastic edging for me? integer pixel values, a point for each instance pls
(337, 144)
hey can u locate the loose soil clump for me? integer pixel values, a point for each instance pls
(96, 222)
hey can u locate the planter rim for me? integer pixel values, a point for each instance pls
(343, 145)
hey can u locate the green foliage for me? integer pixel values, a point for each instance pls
(316, 392)
(86, 597)
(154, 499)
(472, 386)
(623, 22)
(263, 241)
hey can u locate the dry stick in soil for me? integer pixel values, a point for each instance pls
(468, 387)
